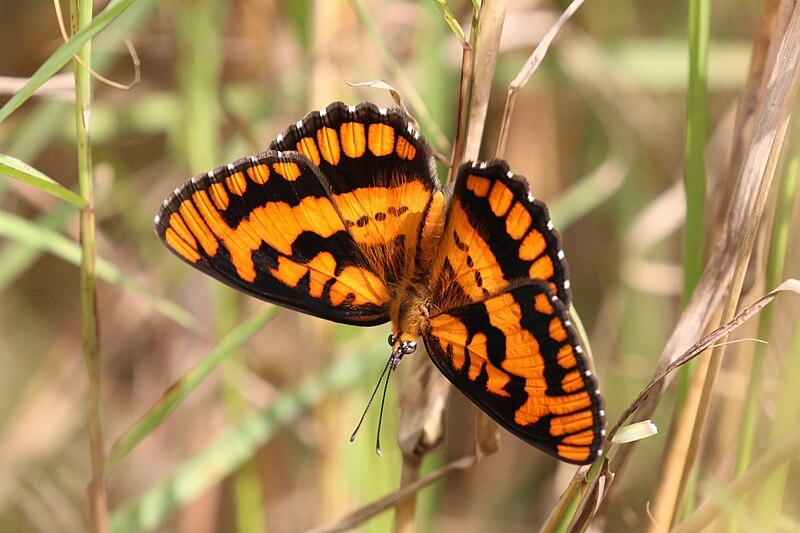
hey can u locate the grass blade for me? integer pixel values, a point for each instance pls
(235, 446)
(180, 389)
(25, 173)
(39, 237)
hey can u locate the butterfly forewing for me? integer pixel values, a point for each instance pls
(495, 233)
(266, 225)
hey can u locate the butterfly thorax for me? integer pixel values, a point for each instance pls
(412, 299)
(409, 312)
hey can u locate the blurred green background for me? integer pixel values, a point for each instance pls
(599, 132)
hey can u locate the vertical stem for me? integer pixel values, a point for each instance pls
(488, 30)
(462, 117)
(81, 16)
(694, 178)
(693, 243)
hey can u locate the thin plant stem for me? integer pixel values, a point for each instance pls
(774, 272)
(694, 178)
(527, 71)
(695, 147)
(81, 16)
(487, 31)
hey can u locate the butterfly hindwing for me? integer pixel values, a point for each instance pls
(266, 226)
(517, 356)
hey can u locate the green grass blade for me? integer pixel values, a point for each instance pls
(236, 445)
(695, 148)
(179, 390)
(39, 237)
(64, 54)
(451, 19)
(25, 173)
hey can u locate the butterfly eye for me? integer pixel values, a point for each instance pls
(391, 339)
(409, 347)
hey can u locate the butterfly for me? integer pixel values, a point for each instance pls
(342, 218)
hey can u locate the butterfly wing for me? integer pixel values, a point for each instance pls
(495, 233)
(517, 356)
(380, 175)
(266, 226)
(324, 222)
(500, 328)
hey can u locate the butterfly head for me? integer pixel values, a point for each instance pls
(401, 345)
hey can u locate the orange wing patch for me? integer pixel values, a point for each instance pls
(236, 184)
(354, 140)
(377, 215)
(405, 150)
(465, 269)
(358, 284)
(381, 139)
(329, 146)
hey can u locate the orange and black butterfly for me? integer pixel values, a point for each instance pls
(343, 218)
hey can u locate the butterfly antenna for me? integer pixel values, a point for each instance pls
(380, 415)
(372, 397)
